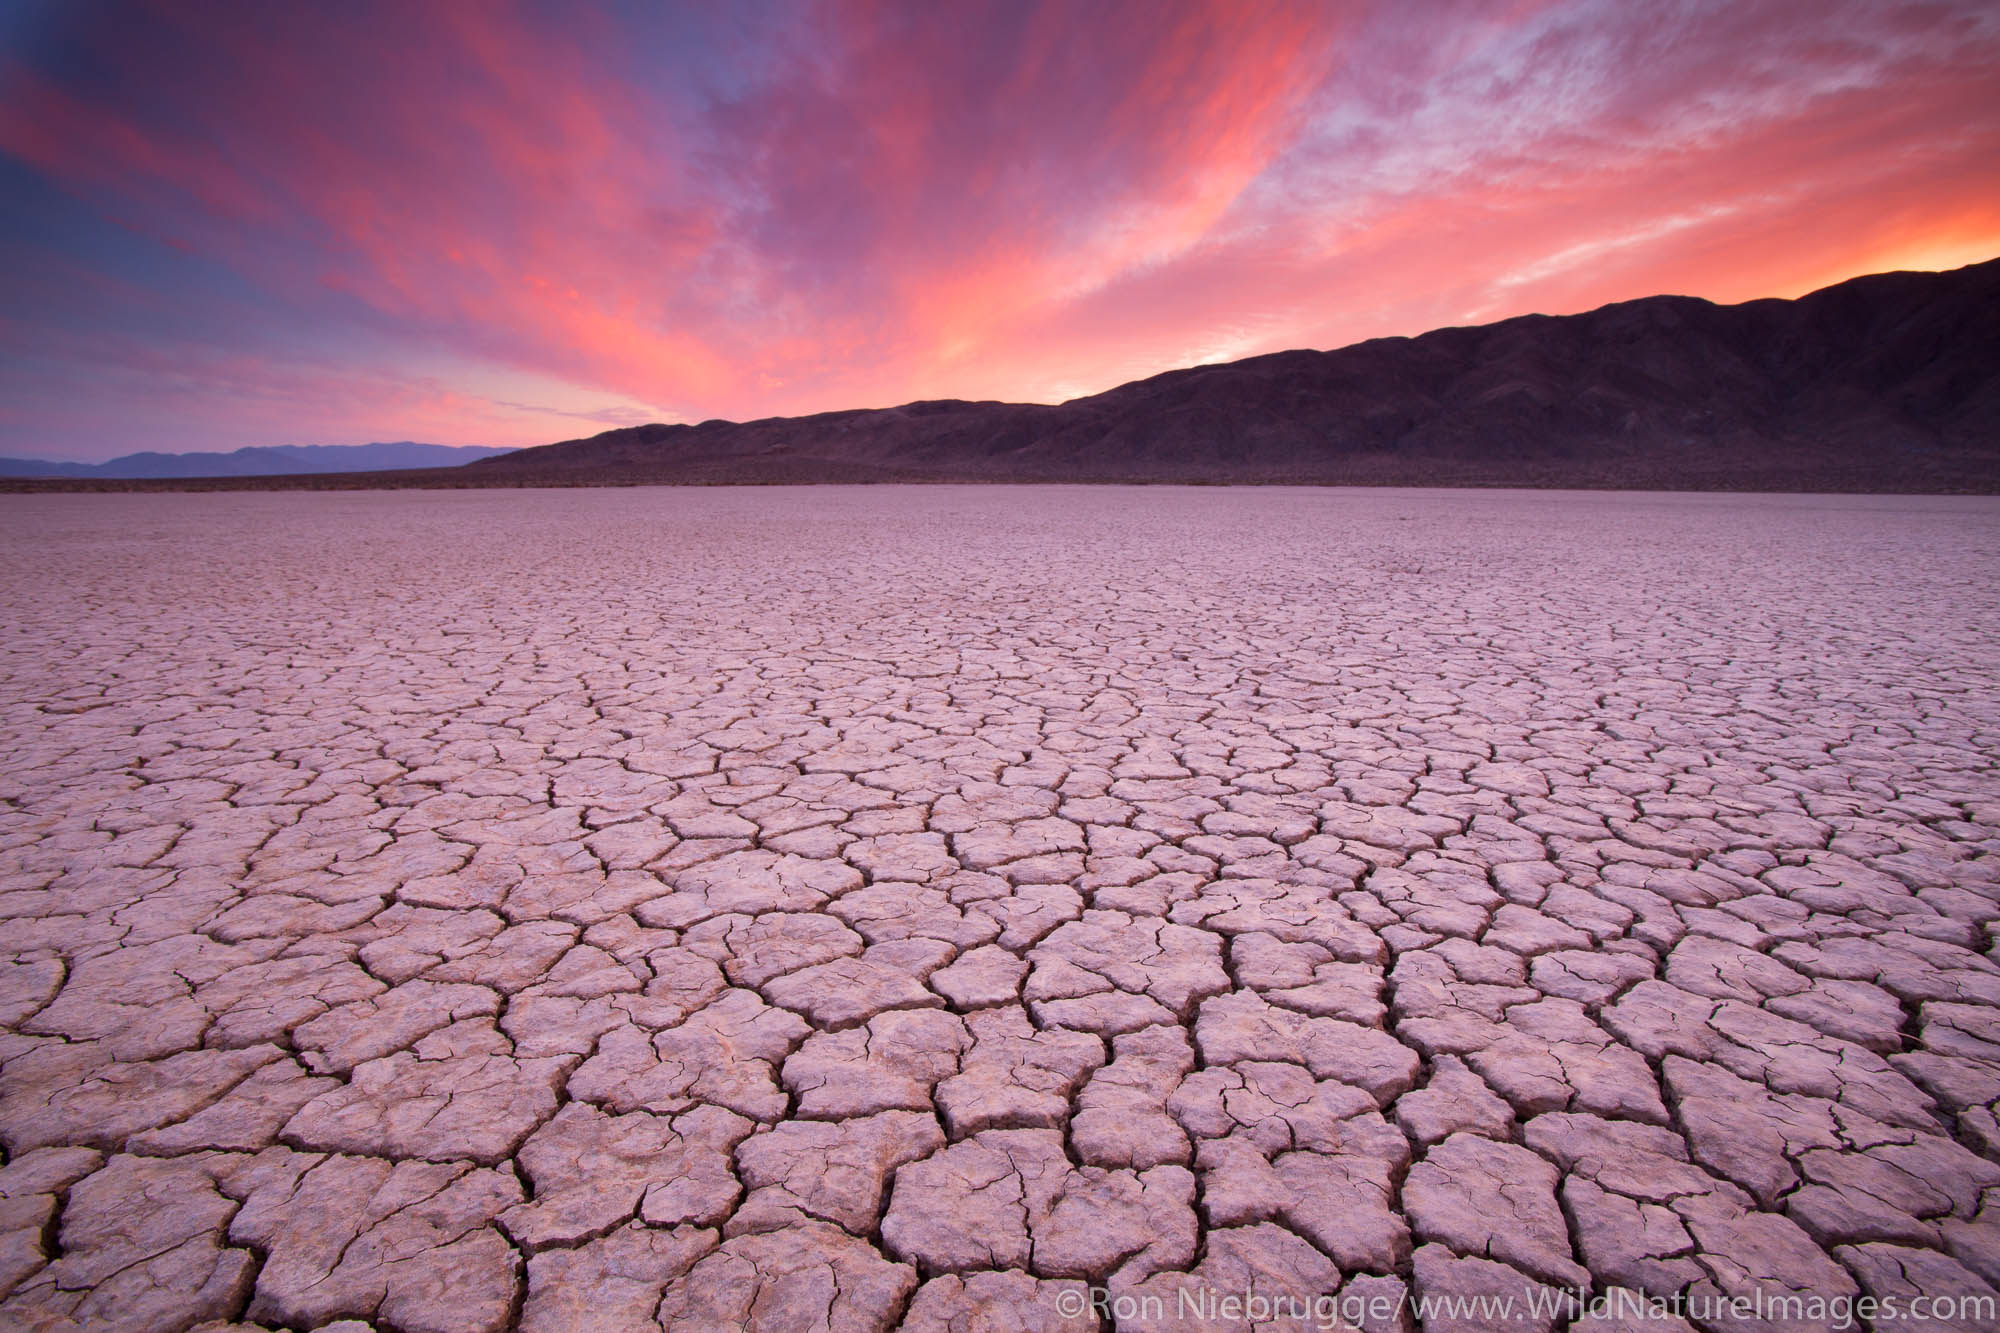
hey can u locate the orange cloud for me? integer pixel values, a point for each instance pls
(289, 210)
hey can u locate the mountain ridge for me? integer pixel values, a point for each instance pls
(1881, 378)
(1886, 382)
(259, 461)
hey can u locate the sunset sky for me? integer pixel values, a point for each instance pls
(228, 224)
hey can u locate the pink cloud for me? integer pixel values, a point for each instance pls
(871, 202)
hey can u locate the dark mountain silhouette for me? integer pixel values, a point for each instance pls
(275, 460)
(42, 467)
(1884, 382)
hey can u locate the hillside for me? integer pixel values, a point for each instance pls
(1884, 382)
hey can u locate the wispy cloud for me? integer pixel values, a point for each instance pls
(227, 215)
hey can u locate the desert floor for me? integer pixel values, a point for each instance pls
(786, 908)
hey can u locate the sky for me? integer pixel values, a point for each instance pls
(243, 223)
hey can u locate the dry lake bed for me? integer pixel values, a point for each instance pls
(978, 908)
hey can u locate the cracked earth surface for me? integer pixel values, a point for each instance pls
(852, 908)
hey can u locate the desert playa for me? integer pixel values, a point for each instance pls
(857, 906)
(1004, 666)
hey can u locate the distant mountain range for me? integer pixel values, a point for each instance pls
(274, 460)
(1882, 383)
(1889, 382)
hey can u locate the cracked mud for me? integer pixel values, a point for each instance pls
(851, 908)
